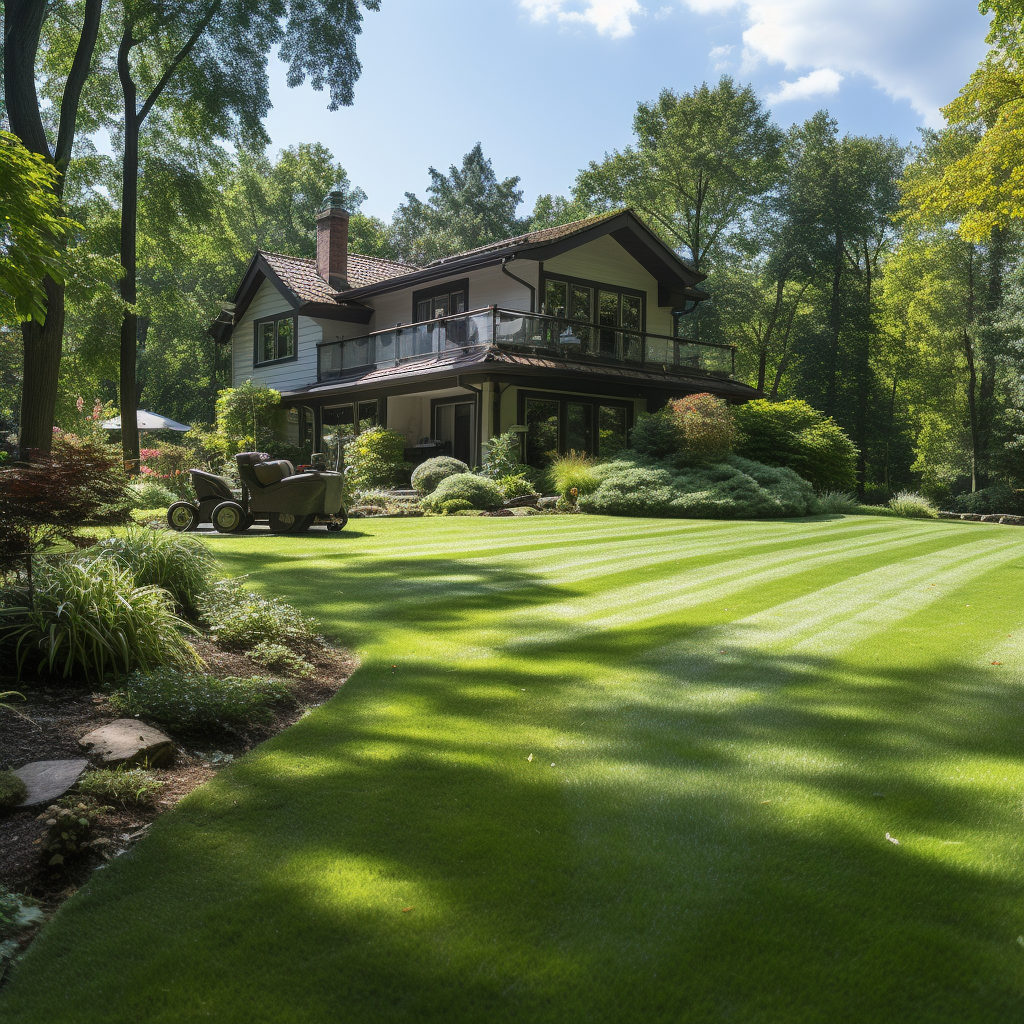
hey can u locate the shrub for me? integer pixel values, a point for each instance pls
(796, 435)
(149, 493)
(837, 503)
(737, 488)
(168, 467)
(182, 565)
(427, 475)
(88, 619)
(516, 485)
(501, 456)
(69, 825)
(573, 470)
(375, 458)
(125, 785)
(479, 491)
(197, 702)
(706, 427)
(44, 503)
(240, 619)
(279, 658)
(453, 506)
(913, 506)
(999, 499)
(656, 436)
(12, 789)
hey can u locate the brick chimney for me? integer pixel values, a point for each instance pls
(332, 241)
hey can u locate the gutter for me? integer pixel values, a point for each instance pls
(533, 291)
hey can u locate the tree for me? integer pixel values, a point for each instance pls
(700, 161)
(31, 231)
(42, 335)
(466, 208)
(205, 62)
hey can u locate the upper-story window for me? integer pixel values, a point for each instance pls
(442, 300)
(275, 339)
(619, 314)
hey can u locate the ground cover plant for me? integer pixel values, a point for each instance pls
(757, 772)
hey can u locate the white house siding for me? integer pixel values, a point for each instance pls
(606, 262)
(487, 287)
(283, 376)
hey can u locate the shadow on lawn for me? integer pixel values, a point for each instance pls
(710, 844)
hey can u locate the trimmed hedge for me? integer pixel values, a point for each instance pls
(478, 491)
(427, 475)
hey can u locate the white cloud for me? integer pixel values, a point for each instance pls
(823, 82)
(610, 17)
(719, 56)
(916, 50)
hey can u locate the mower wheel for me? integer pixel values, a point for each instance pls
(339, 523)
(285, 522)
(228, 517)
(182, 515)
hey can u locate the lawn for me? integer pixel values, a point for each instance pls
(775, 777)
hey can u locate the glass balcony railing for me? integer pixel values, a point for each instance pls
(530, 333)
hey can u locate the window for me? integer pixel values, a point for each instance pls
(275, 339)
(561, 423)
(442, 300)
(619, 314)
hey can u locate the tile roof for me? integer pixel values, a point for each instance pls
(530, 238)
(299, 274)
(481, 355)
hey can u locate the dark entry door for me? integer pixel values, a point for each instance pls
(454, 423)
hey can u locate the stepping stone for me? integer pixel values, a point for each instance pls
(128, 741)
(47, 781)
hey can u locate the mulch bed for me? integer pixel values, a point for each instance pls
(59, 715)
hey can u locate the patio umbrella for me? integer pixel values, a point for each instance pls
(148, 421)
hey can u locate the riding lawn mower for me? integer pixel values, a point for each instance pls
(289, 502)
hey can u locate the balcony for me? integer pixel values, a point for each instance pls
(528, 333)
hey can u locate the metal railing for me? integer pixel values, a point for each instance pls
(530, 333)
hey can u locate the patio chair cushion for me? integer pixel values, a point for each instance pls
(270, 472)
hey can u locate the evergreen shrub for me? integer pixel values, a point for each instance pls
(734, 489)
(12, 789)
(478, 491)
(796, 435)
(501, 456)
(427, 475)
(999, 499)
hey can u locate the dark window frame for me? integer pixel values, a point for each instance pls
(449, 287)
(275, 318)
(564, 398)
(596, 287)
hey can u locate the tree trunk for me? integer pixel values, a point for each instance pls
(832, 367)
(128, 285)
(972, 386)
(888, 432)
(42, 343)
(23, 23)
(762, 367)
(864, 379)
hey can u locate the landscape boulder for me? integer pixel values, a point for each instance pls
(47, 781)
(128, 741)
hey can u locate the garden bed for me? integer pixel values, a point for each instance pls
(58, 715)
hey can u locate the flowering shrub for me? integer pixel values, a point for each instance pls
(169, 465)
(705, 426)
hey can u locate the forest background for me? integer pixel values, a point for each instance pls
(882, 284)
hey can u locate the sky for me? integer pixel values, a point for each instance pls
(549, 85)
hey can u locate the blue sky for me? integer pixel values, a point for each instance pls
(548, 85)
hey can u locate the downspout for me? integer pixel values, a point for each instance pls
(526, 284)
(479, 392)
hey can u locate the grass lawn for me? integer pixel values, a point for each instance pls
(775, 777)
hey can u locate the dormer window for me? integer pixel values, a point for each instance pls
(275, 339)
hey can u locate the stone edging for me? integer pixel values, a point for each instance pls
(973, 517)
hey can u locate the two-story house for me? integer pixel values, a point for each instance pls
(565, 334)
